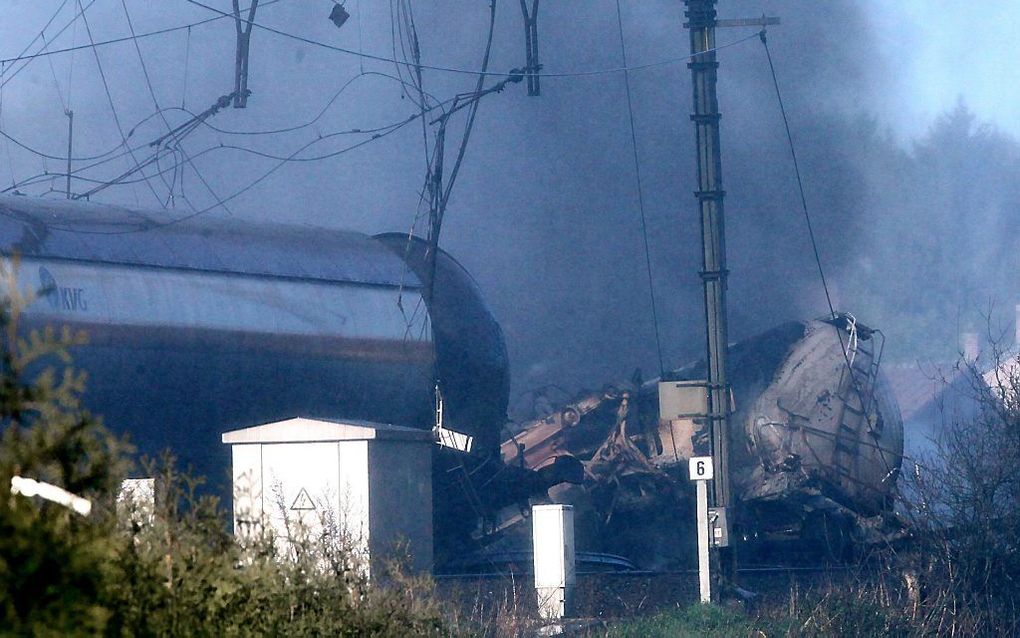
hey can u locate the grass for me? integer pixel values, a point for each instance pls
(694, 621)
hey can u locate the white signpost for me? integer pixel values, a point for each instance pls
(702, 471)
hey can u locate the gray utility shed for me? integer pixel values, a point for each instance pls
(374, 479)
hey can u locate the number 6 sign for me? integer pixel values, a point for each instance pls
(701, 468)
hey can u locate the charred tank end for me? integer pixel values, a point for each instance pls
(827, 422)
(471, 358)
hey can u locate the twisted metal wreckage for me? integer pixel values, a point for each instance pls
(817, 447)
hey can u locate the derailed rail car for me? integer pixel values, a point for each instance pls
(211, 324)
(816, 445)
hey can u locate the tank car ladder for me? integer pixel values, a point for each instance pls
(856, 394)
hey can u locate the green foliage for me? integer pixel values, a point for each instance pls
(852, 611)
(53, 563)
(170, 569)
(849, 612)
(692, 621)
(183, 573)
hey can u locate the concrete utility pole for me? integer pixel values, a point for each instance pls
(701, 19)
(701, 23)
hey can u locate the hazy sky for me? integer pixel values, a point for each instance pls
(937, 51)
(946, 49)
(545, 211)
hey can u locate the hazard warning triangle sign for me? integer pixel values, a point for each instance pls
(303, 501)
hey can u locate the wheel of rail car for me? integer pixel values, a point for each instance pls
(570, 417)
(829, 537)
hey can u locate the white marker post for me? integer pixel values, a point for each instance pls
(701, 472)
(553, 537)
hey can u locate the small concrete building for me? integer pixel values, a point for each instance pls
(373, 480)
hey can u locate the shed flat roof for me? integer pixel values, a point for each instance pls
(303, 430)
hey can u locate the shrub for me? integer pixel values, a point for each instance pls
(693, 621)
(176, 570)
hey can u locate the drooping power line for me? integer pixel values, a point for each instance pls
(433, 67)
(640, 192)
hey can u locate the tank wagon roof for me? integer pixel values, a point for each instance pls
(74, 230)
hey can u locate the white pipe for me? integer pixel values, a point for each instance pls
(31, 487)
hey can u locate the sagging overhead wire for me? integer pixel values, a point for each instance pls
(100, 159)
(240, 191)
(178, 133)
(187, 127)
(109, 96)
(377, 134)
(854, 381)
(27, 58)
(162, 143)
(322, 111)
(206, 124)
(41, 35)
(80, 158)
(105, 158)
(511, 73)
(640, 194)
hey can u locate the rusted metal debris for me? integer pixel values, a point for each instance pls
(817, 448)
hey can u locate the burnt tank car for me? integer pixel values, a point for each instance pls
(816, 438)
(816, 447)
(210, 324)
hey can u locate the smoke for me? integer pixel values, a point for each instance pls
(545, 212)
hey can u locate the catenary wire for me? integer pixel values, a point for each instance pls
(98, 160)
(180, 131)
(312, 121)
(41, 32)
(109, 96)
(447, 69)
(796, 170)
(385, 131)
(76, 158)
(155, 102)
(222, 14)
(148, 84)
(238, 192)
(148, 34)
(640, 193)
(811, 235)
(46, 45)
(46, 176)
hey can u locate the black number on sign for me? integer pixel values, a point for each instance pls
(700, 468)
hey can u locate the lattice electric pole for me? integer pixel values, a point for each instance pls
(701, 23)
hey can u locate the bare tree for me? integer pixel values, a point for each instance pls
(965, 497)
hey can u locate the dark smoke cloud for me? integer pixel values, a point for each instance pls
(545, 211)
